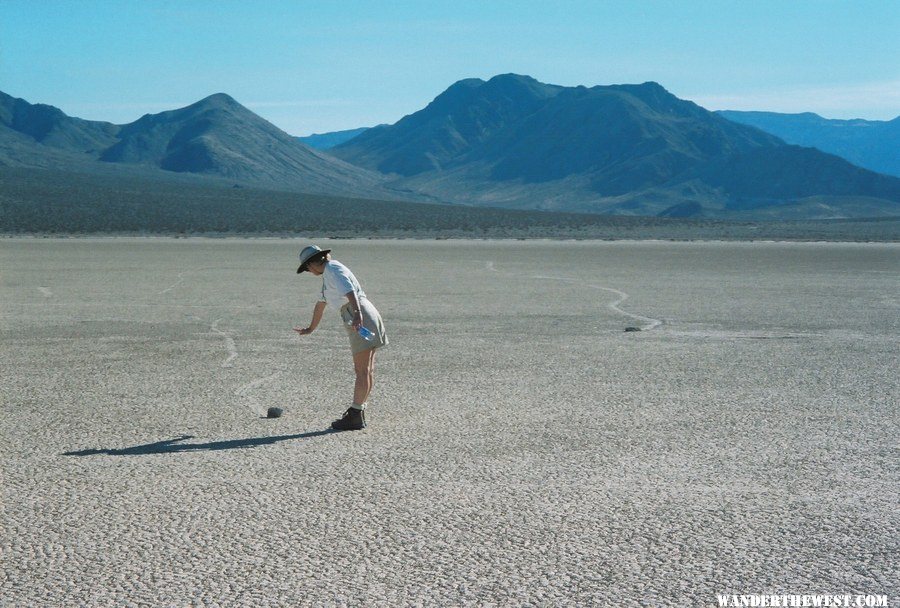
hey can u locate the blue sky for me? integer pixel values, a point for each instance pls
(321, 66)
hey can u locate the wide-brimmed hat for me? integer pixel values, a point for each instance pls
(308, 253)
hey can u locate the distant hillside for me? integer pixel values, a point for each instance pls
(215, 136)
(872, 144)
(626, 149)
(49, 126)
(324, 141)
(42, 136)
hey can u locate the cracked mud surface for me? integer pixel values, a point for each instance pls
(522, 448)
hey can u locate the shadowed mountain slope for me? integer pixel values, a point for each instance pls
(873, 144)
(633, 149)
(625, 136)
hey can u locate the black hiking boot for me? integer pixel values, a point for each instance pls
(352, 420)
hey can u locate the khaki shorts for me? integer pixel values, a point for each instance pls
(371, 320)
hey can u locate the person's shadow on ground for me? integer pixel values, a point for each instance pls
(169, 446)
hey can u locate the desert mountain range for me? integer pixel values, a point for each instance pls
(215, 137)
(510, 141)
(514, 142)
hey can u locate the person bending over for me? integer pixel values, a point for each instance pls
(342, 292)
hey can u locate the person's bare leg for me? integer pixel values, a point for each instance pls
(364, 367)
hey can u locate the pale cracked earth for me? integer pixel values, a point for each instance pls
(522, 448)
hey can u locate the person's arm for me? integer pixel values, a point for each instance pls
(316, 317)
(354, 308)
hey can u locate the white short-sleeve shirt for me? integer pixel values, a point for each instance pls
(337, 281)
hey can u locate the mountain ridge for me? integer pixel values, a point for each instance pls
(626, 149)
(215, 136)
